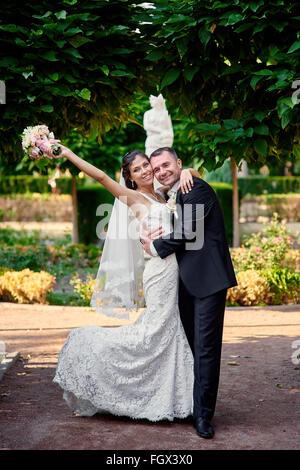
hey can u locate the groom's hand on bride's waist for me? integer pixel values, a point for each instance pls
(146, 238)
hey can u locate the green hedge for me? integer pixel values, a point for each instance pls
(89, 198)
(224, 194)
(269, 185)
(32, 184)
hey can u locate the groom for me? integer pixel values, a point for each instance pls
(206, 272)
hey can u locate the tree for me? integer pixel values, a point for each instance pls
(230, 66)
(67, 65)
(73, 66)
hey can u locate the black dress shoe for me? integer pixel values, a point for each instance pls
(204, 428)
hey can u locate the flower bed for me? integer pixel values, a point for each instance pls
(23, 252)
(267, 268)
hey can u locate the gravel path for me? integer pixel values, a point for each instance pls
(258, 404)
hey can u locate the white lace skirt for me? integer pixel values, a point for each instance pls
(144, 370)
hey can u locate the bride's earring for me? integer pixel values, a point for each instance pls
(132, 184)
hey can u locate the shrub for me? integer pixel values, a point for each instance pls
(271, 184)
(265, 249)
(268, 260)
(63, 298)
(11, 237)
(56, 258)
(32, 184)
(25, 286)
(19, 257)
(252, 289)
(224, 195)
(89, 198)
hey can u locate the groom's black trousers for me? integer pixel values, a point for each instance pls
(202, 320)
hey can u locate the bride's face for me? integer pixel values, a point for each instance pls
(141, 172)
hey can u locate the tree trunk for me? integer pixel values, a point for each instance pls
(235, 205)
(75, 237)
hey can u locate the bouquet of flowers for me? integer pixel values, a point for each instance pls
(36, 143)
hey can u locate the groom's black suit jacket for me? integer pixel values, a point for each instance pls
(209, 269)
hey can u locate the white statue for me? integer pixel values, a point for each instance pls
(158, 125)
(243, 171)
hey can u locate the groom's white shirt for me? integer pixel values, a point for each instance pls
(169, 193)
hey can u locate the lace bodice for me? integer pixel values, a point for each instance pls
(158, 214)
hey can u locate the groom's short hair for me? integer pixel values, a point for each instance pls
(164, 149)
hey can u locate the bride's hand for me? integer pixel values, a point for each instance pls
(186, 181)
(151, 234)
(65, 151)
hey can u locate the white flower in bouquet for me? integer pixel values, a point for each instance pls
(36, 143)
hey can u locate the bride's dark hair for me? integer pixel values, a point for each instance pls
(126, 163)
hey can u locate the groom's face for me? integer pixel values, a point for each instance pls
(166, 168)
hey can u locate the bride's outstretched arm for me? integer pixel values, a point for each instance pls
(128, 196)
(84, 166)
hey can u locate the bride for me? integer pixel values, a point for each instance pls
(142, 370)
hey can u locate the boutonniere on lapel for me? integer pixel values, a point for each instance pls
(171, 204)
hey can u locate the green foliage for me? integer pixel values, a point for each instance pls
(224, 194)
(63, 298)
(93, 196)
(20, 257)
(115, 144)
(266, 268)
(60, 258)
(269, 185)
(222, 174)
(230, 67)
(71, 65)
(32, 184)
(284, 284)
(264, 250)
(11, 237)
(89, 198)
(83, 288)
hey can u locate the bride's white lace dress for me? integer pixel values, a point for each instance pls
(143, 370)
